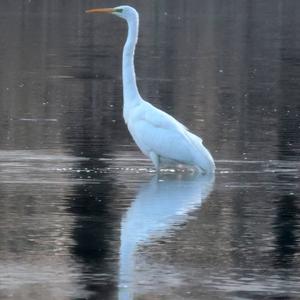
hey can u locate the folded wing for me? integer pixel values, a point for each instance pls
(154, 130)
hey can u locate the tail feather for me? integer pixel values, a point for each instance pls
(202, 157)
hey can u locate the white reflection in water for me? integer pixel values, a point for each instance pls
(159, 205)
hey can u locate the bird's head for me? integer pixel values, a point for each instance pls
(126, 12)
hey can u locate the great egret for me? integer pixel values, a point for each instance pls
(159, 136)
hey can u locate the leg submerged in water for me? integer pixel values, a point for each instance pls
(155, 160)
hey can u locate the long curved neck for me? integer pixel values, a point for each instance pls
(130, 91)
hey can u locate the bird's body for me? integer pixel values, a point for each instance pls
(159, 136)
(165, 140)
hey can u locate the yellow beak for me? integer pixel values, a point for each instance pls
(100, 10)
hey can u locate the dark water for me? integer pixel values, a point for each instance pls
(82, 214)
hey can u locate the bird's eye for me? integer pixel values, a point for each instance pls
(119, 10)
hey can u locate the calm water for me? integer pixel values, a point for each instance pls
(83, 215)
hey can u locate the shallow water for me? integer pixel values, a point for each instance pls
(83, 215)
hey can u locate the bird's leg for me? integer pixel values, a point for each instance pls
(155, 159)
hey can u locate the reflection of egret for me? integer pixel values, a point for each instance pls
(158, 135)
(158, 206)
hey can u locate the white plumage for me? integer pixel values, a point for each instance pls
(159, 136)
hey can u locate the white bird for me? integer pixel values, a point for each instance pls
(159, 136)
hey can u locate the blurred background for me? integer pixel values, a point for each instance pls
(69, 170)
